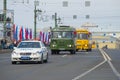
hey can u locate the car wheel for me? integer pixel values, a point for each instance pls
(46, 60)
(41, 61)
(13, 62)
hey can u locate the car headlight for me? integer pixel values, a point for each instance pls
(14, 53)
(39, 52)
(36, 53)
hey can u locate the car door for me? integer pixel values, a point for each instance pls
(44, 50)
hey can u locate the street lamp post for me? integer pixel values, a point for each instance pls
(56, 20)
(4, 12)
(35, 23)
(36, 3)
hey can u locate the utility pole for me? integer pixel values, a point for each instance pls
(56, 20)
(36, 3)
(35, 22)
(4, 21)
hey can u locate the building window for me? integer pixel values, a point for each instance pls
(74, 16)
(1, 17)
(65, 4)
(87, 16)
(87, 3)
(53, 17)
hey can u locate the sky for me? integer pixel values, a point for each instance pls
(104, 13)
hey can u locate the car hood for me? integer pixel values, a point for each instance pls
(33, 50)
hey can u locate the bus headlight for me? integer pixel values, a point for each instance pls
(86, 45)
(53, 45)
(69, 45)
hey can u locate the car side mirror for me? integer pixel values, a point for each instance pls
(14, 47)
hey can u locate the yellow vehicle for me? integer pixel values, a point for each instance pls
(83, 40)
(93, 44)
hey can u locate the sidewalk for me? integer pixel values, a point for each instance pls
(5, 51)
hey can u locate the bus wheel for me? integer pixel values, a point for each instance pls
(57, 52)
(73, 51)
(52, 52)
(76, 49)
(90, 49)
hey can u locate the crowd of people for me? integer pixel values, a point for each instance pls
(6, 45)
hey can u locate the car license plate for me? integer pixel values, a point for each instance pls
(25, 58)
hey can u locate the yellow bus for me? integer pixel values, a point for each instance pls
(83, 40)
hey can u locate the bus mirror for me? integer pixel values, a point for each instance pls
(74, 33)
(88, 35)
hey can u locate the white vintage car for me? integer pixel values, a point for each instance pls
(30, 51)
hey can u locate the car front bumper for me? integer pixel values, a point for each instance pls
(25, 58)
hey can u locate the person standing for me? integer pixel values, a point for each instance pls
(2, 44)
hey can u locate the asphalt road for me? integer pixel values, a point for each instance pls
(95, 65)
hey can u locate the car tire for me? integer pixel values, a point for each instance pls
(13, 62)
(41, 61)
(46, 60)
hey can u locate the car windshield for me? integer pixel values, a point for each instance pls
(61, 34)
(29, 45)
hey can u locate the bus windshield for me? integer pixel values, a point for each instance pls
(61, 34)
(82, 36)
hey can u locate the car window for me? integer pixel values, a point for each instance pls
(29, 45)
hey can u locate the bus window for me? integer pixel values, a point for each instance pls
(82, 36)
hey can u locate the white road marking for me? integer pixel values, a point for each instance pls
(114, 70)
(103, 52)
(110, 63)
(85, 73)
(106, 59)
(86, 52)
(64, 55)
(103, 55)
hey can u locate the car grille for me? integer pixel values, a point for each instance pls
(25, 53)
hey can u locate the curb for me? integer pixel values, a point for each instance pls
(5, 51)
